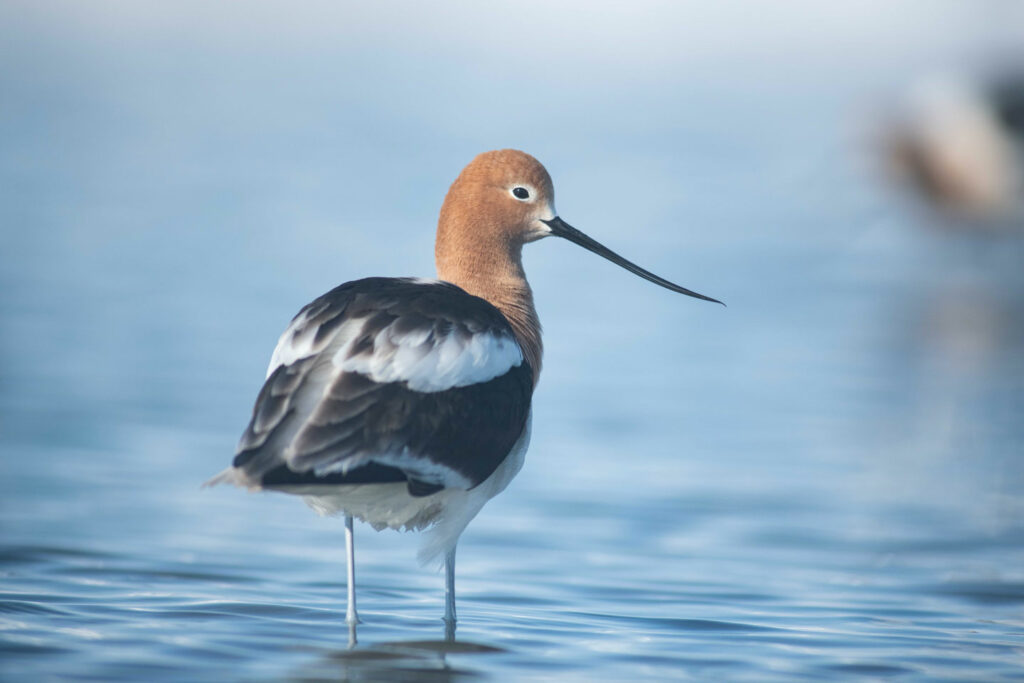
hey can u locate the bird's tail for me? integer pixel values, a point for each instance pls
(231, 475)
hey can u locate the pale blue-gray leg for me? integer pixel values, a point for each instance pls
(350, 551)
(449, 595)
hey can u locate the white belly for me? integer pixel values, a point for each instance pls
(446, 512)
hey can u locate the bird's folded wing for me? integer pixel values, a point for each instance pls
(388, 380)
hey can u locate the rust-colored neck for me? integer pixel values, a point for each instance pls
(481, 233)
(492, 269)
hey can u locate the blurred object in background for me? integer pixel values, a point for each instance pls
(960, 145)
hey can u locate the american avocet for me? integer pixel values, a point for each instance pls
(405, 402)
(959, 144)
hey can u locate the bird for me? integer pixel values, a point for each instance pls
(958, 144)
(406, 402)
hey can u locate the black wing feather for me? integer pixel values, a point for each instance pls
(467, 429)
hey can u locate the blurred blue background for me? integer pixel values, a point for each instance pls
(824, 478)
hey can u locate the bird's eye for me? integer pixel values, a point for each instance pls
(520, 193)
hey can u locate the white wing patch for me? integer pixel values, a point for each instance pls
(292, 346)
(429, 362)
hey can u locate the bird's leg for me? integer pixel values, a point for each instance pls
(449, 595)
(350, 551)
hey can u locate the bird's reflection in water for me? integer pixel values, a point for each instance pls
(353, 626)
(953, 374)
(414, 660)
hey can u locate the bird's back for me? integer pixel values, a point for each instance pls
(387, 381)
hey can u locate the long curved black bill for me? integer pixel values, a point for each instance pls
(560, 228)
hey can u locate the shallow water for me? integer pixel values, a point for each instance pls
(824, 479)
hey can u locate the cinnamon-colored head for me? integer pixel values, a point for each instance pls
(494, 207)
(501, 201)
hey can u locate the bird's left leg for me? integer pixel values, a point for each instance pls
(449, 595)
(350, 551)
